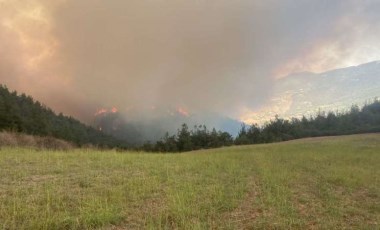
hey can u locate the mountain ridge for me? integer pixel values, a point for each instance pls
(307, 93)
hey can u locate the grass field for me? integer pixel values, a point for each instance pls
(320, 183)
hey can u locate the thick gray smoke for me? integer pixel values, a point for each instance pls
(204, 56)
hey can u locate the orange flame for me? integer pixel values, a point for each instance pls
(100, 112)
(183, 111)
(114, 110)
(104, 111)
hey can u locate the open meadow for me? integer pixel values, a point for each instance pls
(315, 183)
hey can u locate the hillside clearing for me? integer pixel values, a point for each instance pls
(312, 183)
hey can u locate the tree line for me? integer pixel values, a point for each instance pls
(356, 120)
(21, 113)
(187, 140)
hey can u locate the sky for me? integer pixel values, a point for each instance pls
(80, 57)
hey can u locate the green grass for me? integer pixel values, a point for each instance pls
(321, 183)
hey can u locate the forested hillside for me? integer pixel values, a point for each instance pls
(21, 113)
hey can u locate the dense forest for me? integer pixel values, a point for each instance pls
(356, 120)
(21, 113)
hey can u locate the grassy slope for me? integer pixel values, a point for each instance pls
(313, 183)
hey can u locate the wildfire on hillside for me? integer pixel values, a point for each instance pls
(114, 110)
(183, 111)
(100, 112)
(103, 111)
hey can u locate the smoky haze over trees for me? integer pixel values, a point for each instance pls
(137, 132)
(20, 113)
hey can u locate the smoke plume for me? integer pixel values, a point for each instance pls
(79, 56)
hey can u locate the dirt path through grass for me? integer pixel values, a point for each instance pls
(244, 216)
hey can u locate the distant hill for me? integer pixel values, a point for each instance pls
(306, 93)
(20, 113)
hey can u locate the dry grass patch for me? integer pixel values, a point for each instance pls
(12, 139)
